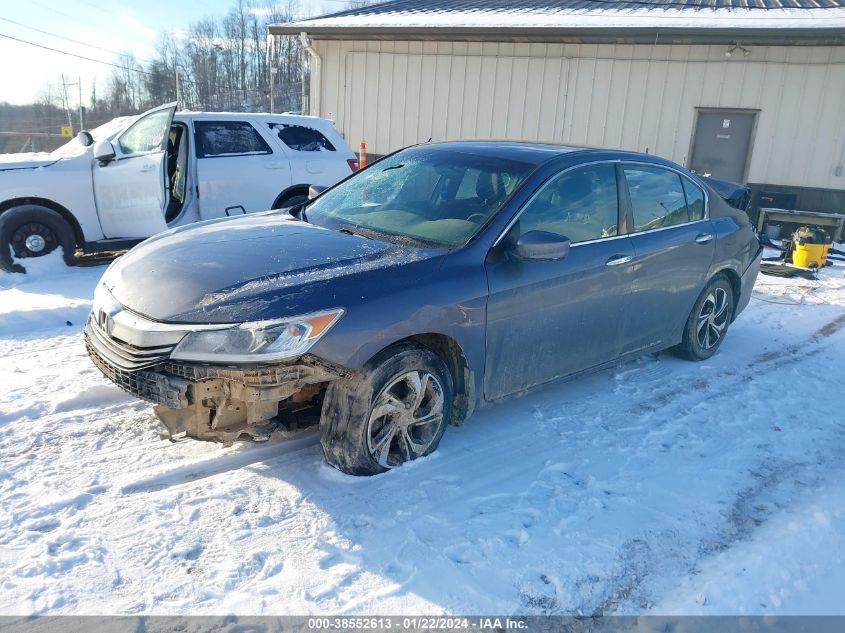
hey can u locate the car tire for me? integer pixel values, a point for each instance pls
(373, 423)
(709, 320)
(33, 231)
(291, 201)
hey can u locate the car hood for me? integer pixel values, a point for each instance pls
(255, 267)
(30, 160)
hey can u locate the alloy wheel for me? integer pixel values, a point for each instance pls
(713, 318)
(406, 418)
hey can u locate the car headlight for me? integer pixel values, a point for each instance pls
(258, 341)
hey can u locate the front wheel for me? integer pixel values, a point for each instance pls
(394, 414)
(708, 322)
(31, 231)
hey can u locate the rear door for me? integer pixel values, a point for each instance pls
(130, 191)
(237, 169)
(673, 244)
(548, 319)
(315, 157)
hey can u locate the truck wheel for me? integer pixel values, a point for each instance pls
(393, 414)
(708, 322)
(291, 201)
(33, 231)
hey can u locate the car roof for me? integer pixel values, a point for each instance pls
(536, 153)
(291, 118)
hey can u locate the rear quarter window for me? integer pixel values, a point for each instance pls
(228, 138)
(301, 138)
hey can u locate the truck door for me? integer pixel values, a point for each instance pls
(237, 170)
(130, 190)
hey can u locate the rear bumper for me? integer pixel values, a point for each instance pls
(749, 277)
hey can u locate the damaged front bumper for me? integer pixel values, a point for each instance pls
(206, 402)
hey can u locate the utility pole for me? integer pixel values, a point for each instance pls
(273, 71)
(65, 102)
(178, 88)
(81, 115)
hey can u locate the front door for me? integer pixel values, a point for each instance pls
(722, 144)
(548, 319)
(238, 171)
(674, 243)
(130, 190)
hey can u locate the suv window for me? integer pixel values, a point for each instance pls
(657, 197)
(695, 199)
(580, 204)
(147, 134)
(301, 138)
(228, 138)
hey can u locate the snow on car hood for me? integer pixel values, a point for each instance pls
(29, 160)
(253, 267)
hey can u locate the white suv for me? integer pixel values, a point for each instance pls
(134, 177)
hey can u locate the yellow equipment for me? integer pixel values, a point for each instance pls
(810, 247)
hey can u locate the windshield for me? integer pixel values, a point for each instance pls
(426, 194)
(105, 131)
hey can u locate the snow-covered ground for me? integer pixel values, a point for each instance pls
(662, 486)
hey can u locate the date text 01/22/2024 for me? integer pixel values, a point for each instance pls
(417, 623)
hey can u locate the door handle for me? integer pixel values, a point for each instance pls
(272, 165)
(147, 167)
(618, 260)
(703, 238)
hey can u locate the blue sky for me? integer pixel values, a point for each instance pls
(118, 25)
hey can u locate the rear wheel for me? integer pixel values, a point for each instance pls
(395, 414)
(291, 200)
(708, 322)
(33, 231)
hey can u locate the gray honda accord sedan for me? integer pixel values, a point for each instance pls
(442, 278)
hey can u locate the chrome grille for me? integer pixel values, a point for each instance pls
(124, 355)
(157, 388)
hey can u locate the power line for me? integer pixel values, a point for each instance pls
(90, 59)
(68, 39)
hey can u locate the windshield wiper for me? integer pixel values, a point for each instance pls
(351, 229)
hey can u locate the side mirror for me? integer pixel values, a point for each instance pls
(315, 190)
(104, 151)
(542, 245)
(85, 138)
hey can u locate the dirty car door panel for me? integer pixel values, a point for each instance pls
(548, 319)
(673, 244)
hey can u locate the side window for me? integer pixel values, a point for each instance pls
(657, 197)
(228, 138)
(147, 134)
(580, 204)
(301, 138)
(695, 200)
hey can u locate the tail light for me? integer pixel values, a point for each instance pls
(353, 164)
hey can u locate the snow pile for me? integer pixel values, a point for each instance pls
(662, 486)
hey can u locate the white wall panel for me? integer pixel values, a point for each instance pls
(642, 98)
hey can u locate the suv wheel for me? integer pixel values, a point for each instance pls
(33, 231)
(394, 414)
(708, 322)
(291, 201)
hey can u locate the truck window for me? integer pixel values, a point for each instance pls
(228, 138)
(301, 138)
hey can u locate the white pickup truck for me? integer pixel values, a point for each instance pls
(136, 176)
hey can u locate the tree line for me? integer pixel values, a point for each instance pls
(218, 64)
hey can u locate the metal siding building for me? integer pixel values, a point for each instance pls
(651, 77)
